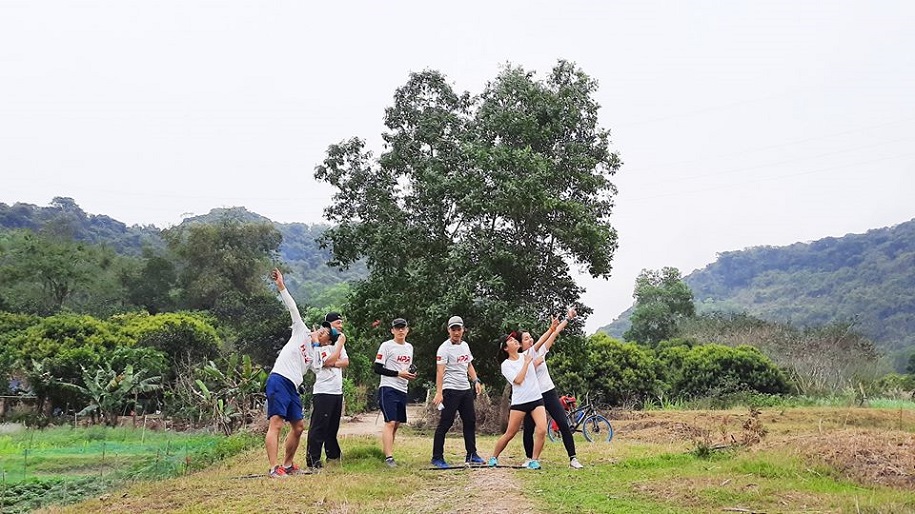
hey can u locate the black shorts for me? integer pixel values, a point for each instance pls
(528, 407)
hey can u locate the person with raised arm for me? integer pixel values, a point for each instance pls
(548, 390)
(518, 369)
(283, 403)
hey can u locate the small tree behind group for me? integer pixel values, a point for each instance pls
(662, 302)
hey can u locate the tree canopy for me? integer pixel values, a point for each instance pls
(477, 206)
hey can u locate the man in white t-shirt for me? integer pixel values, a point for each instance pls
(327, 396)
(394, 362)
(283, 402)
(453, 377)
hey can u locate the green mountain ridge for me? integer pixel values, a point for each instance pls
(310, 275)
(868, 278)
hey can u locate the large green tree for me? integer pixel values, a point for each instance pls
(229, 255)
(662, 301)
(477, 206)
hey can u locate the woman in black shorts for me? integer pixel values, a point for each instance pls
(518, 369)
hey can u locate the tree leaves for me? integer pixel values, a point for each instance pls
(477, 206)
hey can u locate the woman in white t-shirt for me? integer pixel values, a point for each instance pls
(548, 390)
(518, 369)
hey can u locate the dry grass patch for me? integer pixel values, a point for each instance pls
(865, 456)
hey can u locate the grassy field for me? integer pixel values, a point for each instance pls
(58, 465)
(842, 460)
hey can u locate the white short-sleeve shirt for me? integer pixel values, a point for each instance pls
(396, 357)
(529, 390)
(329, 380)
(456, 358)
(543, 374)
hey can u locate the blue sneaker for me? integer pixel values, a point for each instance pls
(474, 460)
(440, 463)
(493, 462)
(534, 464)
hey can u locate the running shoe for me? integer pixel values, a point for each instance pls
(277, 472)
(474, 460)
(574, 464)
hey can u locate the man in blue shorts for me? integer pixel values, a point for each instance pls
(283, 403)
(394, 362)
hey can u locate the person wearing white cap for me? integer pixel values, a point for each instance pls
(453, 393)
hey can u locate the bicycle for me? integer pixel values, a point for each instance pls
(584, 419)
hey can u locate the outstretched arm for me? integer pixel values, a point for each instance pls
(287, 298)
(560, 327)
(550, 333)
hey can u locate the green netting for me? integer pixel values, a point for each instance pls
(56, 465)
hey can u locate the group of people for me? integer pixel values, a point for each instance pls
(322, 351)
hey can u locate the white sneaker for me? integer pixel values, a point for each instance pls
(574, 464)
(525, 463)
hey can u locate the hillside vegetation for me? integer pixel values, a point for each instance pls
(311, 279)
(865, 278)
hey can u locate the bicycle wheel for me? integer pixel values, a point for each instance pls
(597, 428)
(552, 430)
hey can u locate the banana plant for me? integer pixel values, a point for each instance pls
(109, 391)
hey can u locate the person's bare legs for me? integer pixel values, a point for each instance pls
(387, 437)
(272, 439)
(539, 415)
(515, 417)
(292, 441)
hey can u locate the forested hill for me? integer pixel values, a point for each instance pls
(66, 219)
(299, 250)
(869, 277)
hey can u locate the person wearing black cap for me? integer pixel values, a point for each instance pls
(327, 395)
(394, 362)
(453, 393)
(333, 322)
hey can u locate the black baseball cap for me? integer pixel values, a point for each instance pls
(399, 322)
(332, 316)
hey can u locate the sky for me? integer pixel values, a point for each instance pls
(739, 124)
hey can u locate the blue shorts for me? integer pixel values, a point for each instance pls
(283, 399)
(393, 403)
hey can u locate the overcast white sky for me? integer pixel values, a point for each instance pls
(739, 123)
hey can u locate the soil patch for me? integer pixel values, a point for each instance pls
(490, 490)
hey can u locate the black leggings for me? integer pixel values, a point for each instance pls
(555, 410)
(322, 431)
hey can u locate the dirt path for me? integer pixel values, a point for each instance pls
(497, 490)
(487, 490)
(370, 423)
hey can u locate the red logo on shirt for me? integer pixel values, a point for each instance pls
(438, 357)
(378, 357)
(403, 358)
(463, 358)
